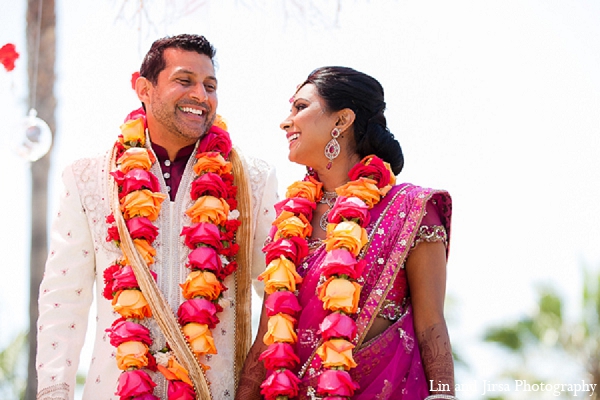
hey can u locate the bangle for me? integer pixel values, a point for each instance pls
(440, 397)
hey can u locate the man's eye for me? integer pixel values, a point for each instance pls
(210, 88)
(184, 81)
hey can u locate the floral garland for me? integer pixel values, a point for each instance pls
(370, 180)
(210, 237)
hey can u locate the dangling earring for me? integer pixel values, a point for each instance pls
(332, 148)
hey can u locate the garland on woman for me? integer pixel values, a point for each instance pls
(210, 237)
(370, 180)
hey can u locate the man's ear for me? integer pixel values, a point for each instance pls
(345, 119)
(142, 89)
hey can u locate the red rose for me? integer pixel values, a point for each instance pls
(279, 355)
(282, 301)
(135, 179)
(371, 167)
(292, 248)
(110, 219)
(216, 139)
(109, 280)
(229, 249)
(113, 234)
(229, 269)
(151, 362)
(349, 208)
(336, 383)
(280, 383)
(126, 331)
(202, 233)
(338, 325)
(142, 228)
(180, 390)
(204, 258)
(8, 56)
(198, 310)
(134, 383)
(229, 230)
(341, 262)
(296, 205)
(124, 278)
(208, 184)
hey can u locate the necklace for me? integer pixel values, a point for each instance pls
(370, 180)
(329, 199)
(210, 237)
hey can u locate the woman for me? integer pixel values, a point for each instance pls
(356, 273)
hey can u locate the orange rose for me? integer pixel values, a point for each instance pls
(220, 122)
(212, 162)
(346, 235)
(146, 251)
(339, 294)
(310, 189)
(133, 132)
(337, 353)
(292, 226)
(209, 209)
(280, 273)
(280, 328)
(202, 283)
(200, 338)
(131, 303)
(365, 189)
(136, 157)
(142, 203)
(132, 355)
(175, 372)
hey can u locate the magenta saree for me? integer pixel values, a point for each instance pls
(389, 365)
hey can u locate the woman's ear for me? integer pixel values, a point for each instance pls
(142, 89)
(345, 119)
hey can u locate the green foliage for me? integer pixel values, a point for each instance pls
(12, 369)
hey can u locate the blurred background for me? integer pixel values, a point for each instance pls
(497, 102)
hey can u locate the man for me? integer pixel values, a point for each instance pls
(178, 90)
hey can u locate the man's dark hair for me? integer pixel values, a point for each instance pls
(154, 61)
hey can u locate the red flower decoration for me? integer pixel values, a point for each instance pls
(337, 325)
(126, 331)
(180, 390)
(336, 383)
(282, 301)
(202, 233)
(134, 383)
(134, 78)
(293, 248)
(279, 355)
(371, 167)
(8, 56)
(198, 310)
(141, 228)
(280, 383)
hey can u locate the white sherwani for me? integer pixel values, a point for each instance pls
(79, 254)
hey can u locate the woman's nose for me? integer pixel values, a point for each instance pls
(285, 124)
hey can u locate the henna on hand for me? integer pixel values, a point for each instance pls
(436, 354)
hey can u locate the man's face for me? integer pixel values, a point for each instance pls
(182, 105)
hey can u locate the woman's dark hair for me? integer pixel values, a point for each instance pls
(342, 87)
(154, 61)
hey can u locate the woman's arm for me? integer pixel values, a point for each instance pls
(254, 373)
(426, 272)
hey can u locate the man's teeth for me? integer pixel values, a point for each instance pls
(192, 110)
(293, 137)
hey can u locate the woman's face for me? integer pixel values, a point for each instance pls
(308, 128)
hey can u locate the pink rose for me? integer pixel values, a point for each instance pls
(342, 262)
(208, 184)
(142, 228)
(202, 233)
(371, 167)
(134, 383)
(336, 383)
(125, 278)
(279, 355)
(337, 325)
(148, 396)
(204, 258)
(292, 248)
(282, 301)
(296, 205)
(216, 139)
(198, 310)
(135, 179)
(135, 114)
(280, 383)
(349, 208)
(180, 390)
(126, 331)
